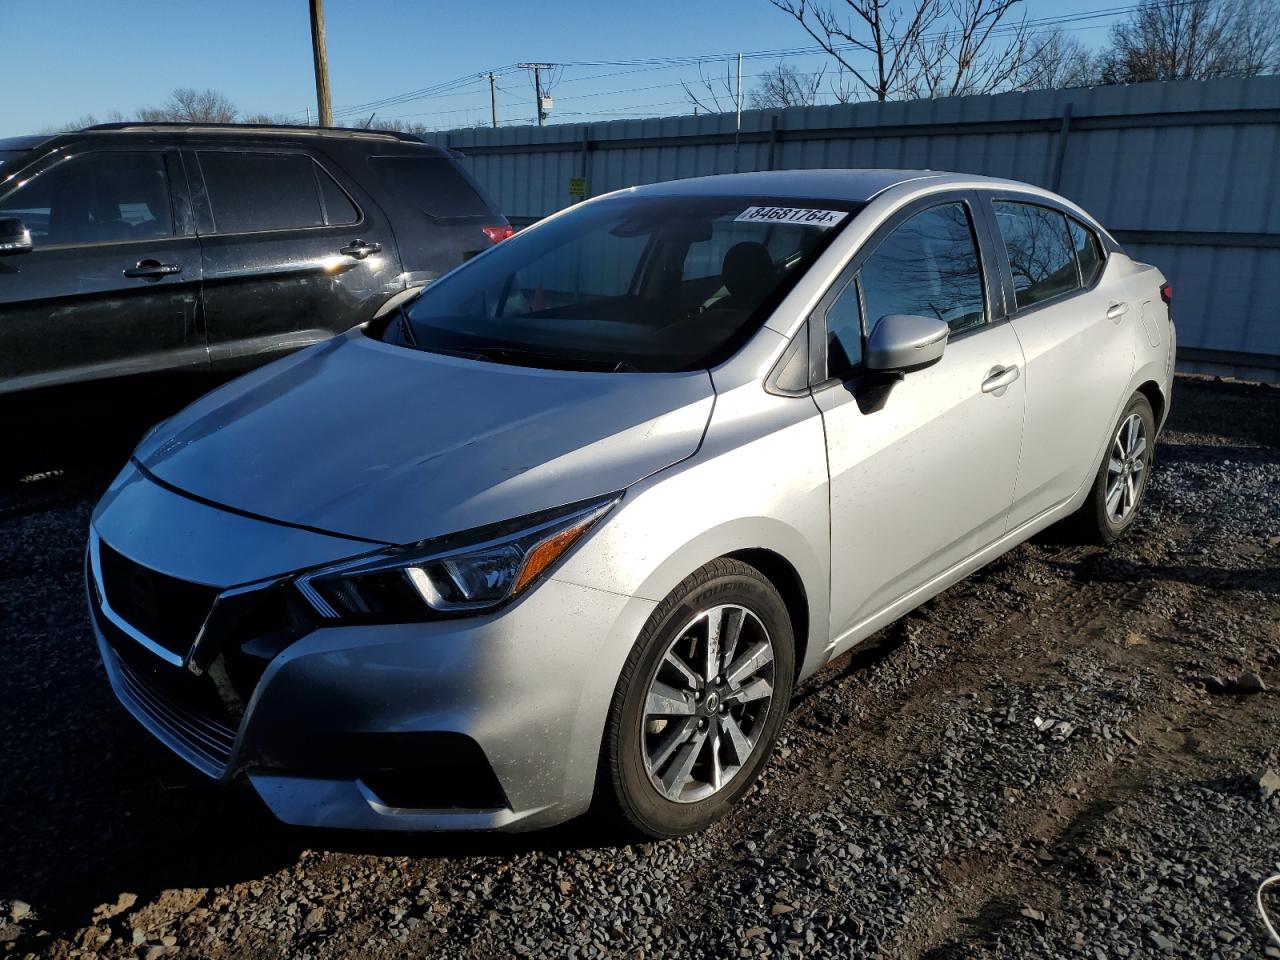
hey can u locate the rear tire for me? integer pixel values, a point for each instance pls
(1121, 482)
(698, 707)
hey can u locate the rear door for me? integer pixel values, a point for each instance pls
(290, 255)
(922, 468)
(1079, 346)
(112, 283)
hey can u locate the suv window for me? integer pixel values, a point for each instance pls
(433, 185)
(1088, 251)
(106, 197)
(251, 191)
(1041, 253)
(927, 266)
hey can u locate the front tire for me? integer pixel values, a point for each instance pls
(1121, 482)
(701, 699)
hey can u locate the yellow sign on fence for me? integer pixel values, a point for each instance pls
(577, 188)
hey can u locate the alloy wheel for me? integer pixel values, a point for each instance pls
(707, 703)
(1126, 468)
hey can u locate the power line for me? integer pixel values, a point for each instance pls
(472, 84)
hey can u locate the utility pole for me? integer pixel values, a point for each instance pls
(537, 69)
(737, 131)
(321, 63)
(493, 97)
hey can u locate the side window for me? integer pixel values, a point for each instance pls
(1088, 251)
(105, 197)
(844, 332)
(1040, 251)
(338, 208)
(927, 266)
(432, 185)
(261, 191)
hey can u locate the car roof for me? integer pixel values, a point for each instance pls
(286, 129)
(849, 185)
(180, 133)
(23, 143)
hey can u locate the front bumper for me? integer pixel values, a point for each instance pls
(530, 686)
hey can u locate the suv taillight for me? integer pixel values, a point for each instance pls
(497, 234)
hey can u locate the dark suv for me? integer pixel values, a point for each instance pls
(132, 247)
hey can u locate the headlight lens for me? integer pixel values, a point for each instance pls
(467, 573)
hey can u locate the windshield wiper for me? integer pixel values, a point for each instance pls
(406, 328)
(520, 356)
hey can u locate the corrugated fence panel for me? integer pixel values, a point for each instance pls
(1187, 174)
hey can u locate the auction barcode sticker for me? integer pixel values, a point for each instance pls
(804, 216)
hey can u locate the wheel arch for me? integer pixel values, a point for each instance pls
(786, 580)
(782, 554)
(1155, 396)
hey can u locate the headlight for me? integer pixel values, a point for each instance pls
(471, 572)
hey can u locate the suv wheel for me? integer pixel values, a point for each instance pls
(697, 710)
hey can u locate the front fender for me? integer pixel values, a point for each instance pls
(766, 492)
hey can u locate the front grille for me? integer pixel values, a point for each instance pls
(183, 710)
(202, 740)
(167, 610)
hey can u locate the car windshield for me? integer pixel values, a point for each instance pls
(627, 283)
(7, 155)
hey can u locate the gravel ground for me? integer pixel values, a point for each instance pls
(1064, 756)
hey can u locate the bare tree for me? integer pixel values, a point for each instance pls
(1194, 40)
(197, 106)
(713, 94)
(396, 125)
(267, 119)
(929, 48)
(1060, 61)
(784, 86)
(88, 120)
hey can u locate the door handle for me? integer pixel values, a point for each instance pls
(1117, 310)
(360, 249)
(151, 270)
(998, 379)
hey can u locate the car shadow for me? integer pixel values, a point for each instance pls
(89, 429)
(1103, 569)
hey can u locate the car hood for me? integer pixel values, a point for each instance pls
(361, 438)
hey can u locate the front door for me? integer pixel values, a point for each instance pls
(922, 470)
(112, 282)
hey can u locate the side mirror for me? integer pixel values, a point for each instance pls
(14, 236)
(903, 341)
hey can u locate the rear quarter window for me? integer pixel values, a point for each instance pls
(432, 185)
(1088, 251)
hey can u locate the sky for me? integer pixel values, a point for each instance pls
(72, 58)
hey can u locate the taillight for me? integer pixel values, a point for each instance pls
(1166, 294)
(497, 234)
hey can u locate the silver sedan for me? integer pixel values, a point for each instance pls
(569, 527)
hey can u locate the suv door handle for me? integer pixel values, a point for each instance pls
(1117, 310)
(360, 249)
(152, 269)
(998, 379)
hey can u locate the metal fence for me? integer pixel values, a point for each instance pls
(1186, 174)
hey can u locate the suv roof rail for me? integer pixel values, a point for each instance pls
(202, 127)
